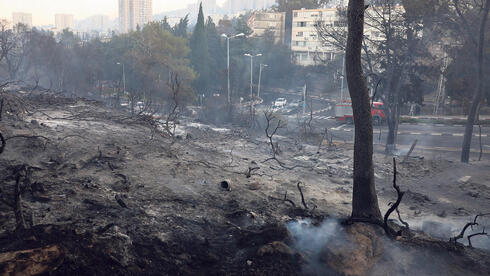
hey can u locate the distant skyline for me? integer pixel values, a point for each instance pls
(43, 11)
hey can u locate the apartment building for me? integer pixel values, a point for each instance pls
(63, 21)
(307, 47)
(134, 13)
(22, 18)
(310, 49)
(262, 22)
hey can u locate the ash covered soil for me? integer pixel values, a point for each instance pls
(104, 194)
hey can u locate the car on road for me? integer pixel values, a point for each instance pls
(280, 103)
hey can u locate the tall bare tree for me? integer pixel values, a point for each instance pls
(393, 51)
(364, 198)
(477, 97)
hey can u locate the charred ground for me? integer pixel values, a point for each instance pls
(103, 193)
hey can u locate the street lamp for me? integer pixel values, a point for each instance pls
(251, 71)
(260, 77)
(228, 37)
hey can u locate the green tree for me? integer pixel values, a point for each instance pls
(180, 29)
(216, 53)
(165, 25)
(199, 54)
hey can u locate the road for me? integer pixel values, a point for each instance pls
(440, 138)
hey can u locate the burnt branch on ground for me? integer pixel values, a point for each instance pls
(482, 233)
(250, 171)
(27, 137)
(468, 225)
(2, 101)
(407, 226)
(273, 124)
(19, 214)
(394, 206)
(302, 196)
(285, 199)
(401, 220)
(21, 175)
(4, 143)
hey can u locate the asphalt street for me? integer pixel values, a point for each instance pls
(439, 138)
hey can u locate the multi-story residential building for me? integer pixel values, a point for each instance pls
(22, 18)
(63, 21)
(134, 13)
(306, 45)
(310, 49)
(261, 22)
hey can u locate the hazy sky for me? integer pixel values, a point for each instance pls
(43, 11)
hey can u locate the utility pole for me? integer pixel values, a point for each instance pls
(251, 72)
(228, 60)
(260, 77)
(441, 94)
(252, 112)
(124, 79)
(342, 84)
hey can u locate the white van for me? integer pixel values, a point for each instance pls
(280, 103)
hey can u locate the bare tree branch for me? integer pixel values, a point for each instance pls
(393, 207)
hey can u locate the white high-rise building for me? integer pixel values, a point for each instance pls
(22, 18)
(63, 21)
(134, 13)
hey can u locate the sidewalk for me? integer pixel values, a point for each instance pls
(444, 118)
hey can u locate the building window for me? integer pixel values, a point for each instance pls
(300, 34)
(295, 14)
(301, 24)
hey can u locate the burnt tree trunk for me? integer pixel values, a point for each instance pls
(364, 198)
(19, 213)
(468, 133)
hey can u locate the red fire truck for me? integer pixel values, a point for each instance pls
(343, 112)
